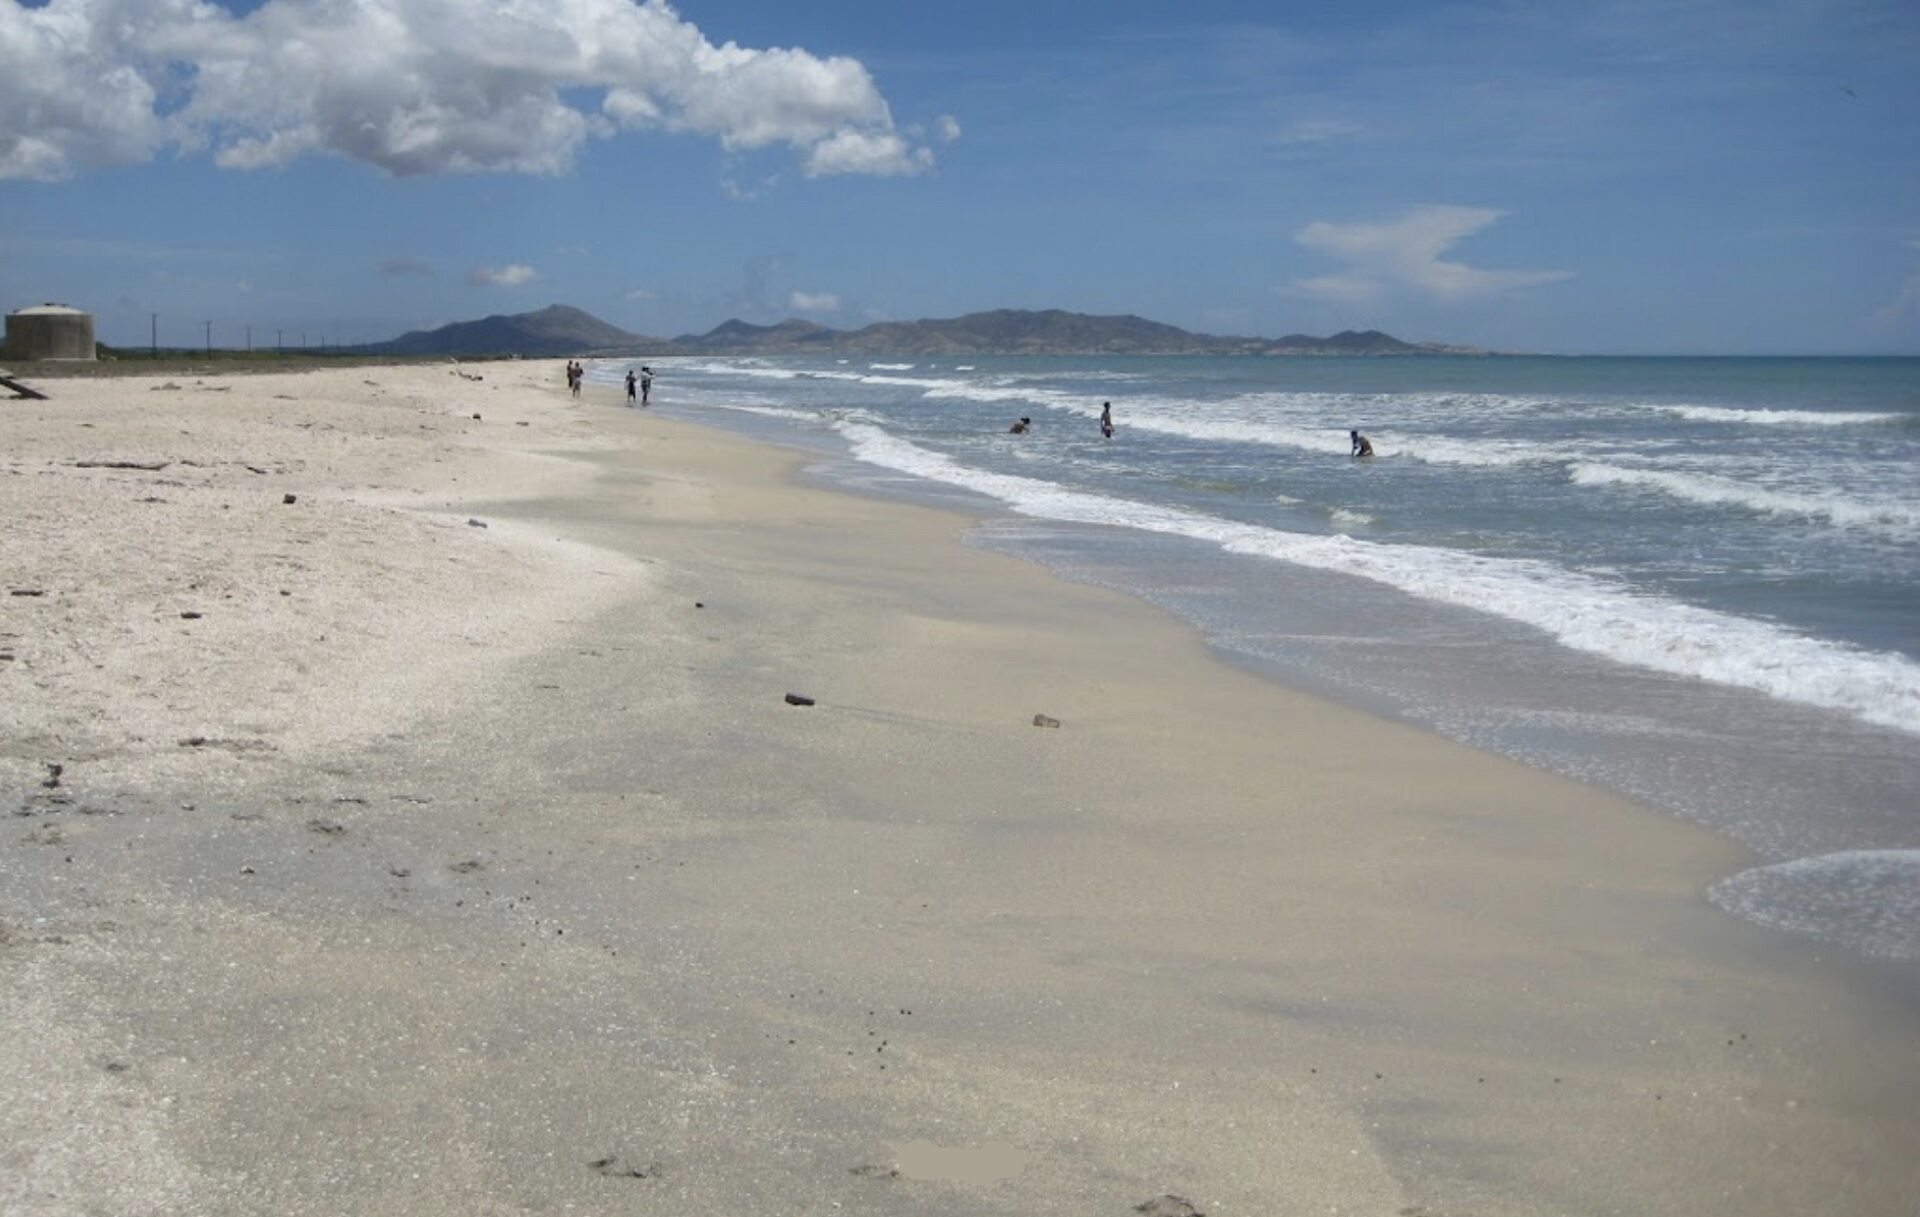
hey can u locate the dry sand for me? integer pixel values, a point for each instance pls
(438, 868)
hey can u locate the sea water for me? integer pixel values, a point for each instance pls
(1694, 581)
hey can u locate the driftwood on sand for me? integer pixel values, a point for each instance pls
(20, 391)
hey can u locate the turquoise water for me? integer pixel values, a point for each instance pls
(1693, 580)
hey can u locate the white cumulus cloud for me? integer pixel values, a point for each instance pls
(1408, 253)
(412, 86)
(512, 275)
(814, 302)
(882, 153)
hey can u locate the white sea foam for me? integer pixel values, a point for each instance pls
(1705, 488)
(1581, 611)
(740, 407)
(1778, 418)
(963, 367)
(1333, 440)
(1340, 517)
(1295, 421)
(892, 367)
(742, 369)
(1866, 898)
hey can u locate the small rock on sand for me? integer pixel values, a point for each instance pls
(1168, 1206)
(289, 498)
(799, 699)
(1042, 720)
(615, 1167)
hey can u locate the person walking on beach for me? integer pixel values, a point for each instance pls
(1360, 445)
(646, 383)
(579, 374)
(1106, 419)
(630, 384)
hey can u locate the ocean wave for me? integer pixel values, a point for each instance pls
(760, 371)
(1868, 899)
(1707, 489)
(1778, 418)
(1581, 611)
(1333, 440)
(739, 407)
(893, 367)
(1340, 517)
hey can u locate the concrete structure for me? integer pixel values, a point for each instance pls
(49, 331)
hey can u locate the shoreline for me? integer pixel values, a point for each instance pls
(1210, 937)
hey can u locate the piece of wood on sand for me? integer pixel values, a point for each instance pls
(20, 392)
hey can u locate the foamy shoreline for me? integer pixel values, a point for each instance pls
(502, 876)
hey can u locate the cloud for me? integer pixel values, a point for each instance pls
(1406, 254)
(814, 302)
(405, 266)
(880, 153)
(741, 191)
(947, 127)
(501, 276)
(637, 293)
(412, 86)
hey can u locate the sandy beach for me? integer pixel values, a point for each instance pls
(401, 811)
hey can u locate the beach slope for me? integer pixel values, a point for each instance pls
(402, 811)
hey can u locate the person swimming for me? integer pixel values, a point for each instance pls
(1106, 419)
(1361, 447)
(1022, 427)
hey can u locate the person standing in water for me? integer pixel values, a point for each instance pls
(646, 384)
(1360, 445)
(1106, 419)
(631, 381)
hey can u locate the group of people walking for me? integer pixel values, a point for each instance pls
(639, 387)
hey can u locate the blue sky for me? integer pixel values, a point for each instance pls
(1684, 176)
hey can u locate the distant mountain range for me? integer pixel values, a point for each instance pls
(559, 330)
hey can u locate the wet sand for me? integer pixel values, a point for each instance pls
(462, 854)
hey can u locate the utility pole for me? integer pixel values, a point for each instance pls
(249, 338)
(279, 345)
(209, 340)
(154, 341)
